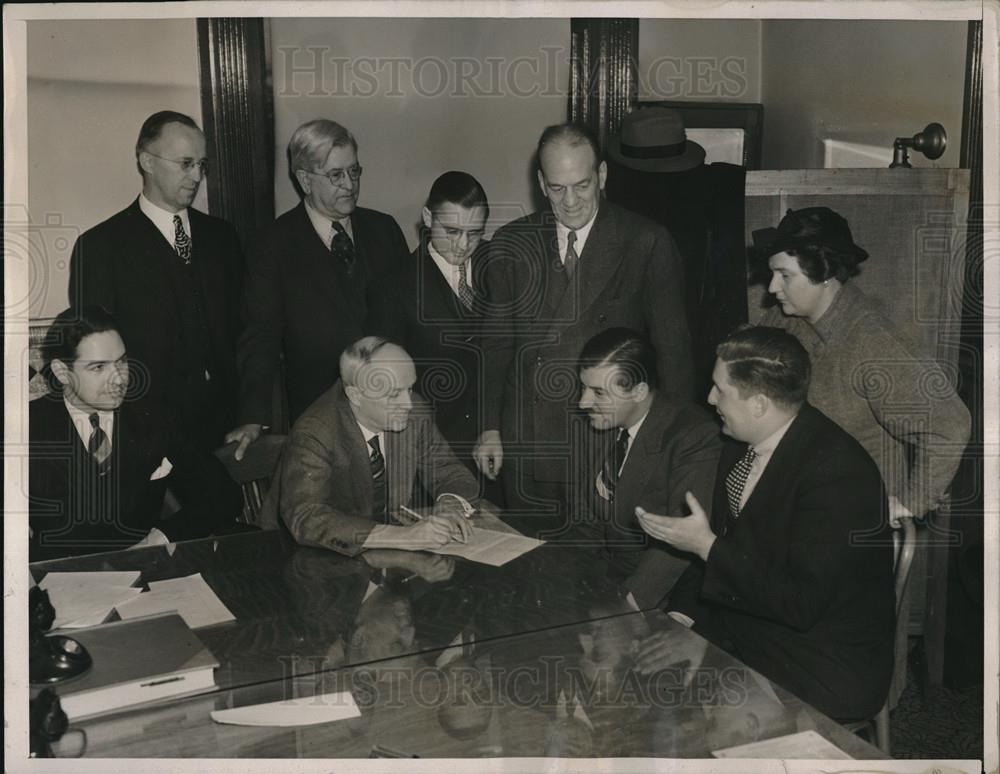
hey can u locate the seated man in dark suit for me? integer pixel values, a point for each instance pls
(794, 570)
(353, 459)
(100, 465)
(648, 450)
(312, 277)
(433, 308)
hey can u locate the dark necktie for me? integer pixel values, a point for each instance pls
(613, 463)
(465, 294)
(379, 494)
(99, 445)
(342, 247)
(571, 257)
(737, 480)
(182, 242)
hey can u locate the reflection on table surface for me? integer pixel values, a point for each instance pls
(303, 610)
(568, 691)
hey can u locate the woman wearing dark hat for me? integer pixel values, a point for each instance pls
(863, 374)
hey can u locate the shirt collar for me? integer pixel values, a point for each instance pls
(450, 271)
(369, 434)
(163, 220)
(633, 431)
(81, 420)
(324, 225)
(769, 444)
(562, 234)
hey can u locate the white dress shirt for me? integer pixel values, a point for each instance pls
(81, 421)
(164, 220)
(324, 225)
(450, 271)
(562, 237)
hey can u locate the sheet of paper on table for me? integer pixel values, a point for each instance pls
(85, 599)
(805, 744)
(292, 712)
(190, 596)
(488, 547)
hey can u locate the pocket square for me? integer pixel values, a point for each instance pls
(162, 471)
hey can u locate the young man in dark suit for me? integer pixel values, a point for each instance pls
(100, 464)
(435, 308)
(171, 277)
(312, 277)
(647, 451)
(557, 278)
(794, 570)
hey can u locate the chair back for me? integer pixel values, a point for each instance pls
(254, 472)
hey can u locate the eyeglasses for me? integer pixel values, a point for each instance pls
(336, 176)
(186, 164)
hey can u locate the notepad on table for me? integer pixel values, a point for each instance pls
(190, 596)
(87, 598)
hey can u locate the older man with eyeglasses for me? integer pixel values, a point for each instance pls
(170, 275)
(311, 279)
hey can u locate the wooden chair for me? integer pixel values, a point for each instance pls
(253, 473)
(904, 540)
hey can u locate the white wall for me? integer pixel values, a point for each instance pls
(864, 82)
(427, 110)
(690, 59)
(91, 84)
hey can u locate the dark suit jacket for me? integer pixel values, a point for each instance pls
(629, 274)
(800, 586)
(676, 450)
(70, 513)
(421, 312)
(125, 265)
(300, 303)
(326, 494)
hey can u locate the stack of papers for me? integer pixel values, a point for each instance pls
(190, 596)
(84, 599)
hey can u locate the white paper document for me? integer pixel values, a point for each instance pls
(293, 712)
(488, 547)
(87, 598)
(805, 744)
(190, 596)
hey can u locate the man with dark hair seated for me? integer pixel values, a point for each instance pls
(100, 464)
(794, 570)
(647, 450)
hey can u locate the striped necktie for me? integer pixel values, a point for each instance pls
(99, 445)
(613, 463)
(379, 494)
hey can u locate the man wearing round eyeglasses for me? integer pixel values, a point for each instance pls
(312, 278)
(170, 275)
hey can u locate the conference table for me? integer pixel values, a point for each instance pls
(441, 657)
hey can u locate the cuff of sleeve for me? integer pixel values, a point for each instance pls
(683, 620)
(466, 505)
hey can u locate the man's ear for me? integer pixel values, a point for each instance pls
(640, 392)
(61, 372)
(353, 394)
(602, 174)
(760, 403)
(146, 161)
(426, 215)
(304, 182)
(541, 183)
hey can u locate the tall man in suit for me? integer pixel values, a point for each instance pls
(794, 571)
(646, 450)
(99, 465)
(171, 276)
(434, 308)
(311, 279)
(560, 276)
(353, 458)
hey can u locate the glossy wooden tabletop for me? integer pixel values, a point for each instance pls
(568, 691)
(303, 610)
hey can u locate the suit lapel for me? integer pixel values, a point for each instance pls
(317, 258)
(642, 457)
(783, 459)
(597, 266)
(353, 445)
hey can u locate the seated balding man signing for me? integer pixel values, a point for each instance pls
(351, 461)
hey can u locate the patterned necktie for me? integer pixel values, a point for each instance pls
(737, 480)
(571, 256)
(182, 242)
(613, 463)
(342, 247)
(99, 445)
(464, 291)
(379, 495)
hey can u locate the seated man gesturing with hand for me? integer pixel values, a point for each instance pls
(351, 461)
(795, 576)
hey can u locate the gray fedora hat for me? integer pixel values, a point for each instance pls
(653, 140)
